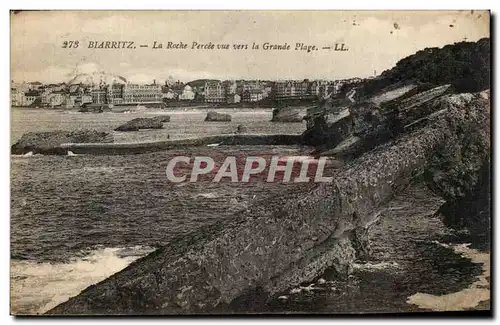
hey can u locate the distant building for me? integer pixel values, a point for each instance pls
(72, 100)
(99, 96)
(45, 96)
(17, 97)
(291, 89)
(214, 92)
(187, 93)
(30, 97)
(230, 87)
(170, 94)
(114, 93)
(139, 94)
(283, 90)
(267, 91)
(252, 95)
(317, 88)
(57, 98)
(233, 98)
(85, 99)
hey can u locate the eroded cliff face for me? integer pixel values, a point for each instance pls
(454, 169)
(460, 171)
(284, 241)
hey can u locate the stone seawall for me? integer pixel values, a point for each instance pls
(144, 147)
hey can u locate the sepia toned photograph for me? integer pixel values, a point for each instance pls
(249, 162)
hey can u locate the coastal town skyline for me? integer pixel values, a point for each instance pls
(101, 89)
(94, 69)
(375, 42)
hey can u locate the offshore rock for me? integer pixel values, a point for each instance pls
(241, 129)
(217, 117)
(94, 108)
(285, 114)
(144, 123)
(49, 143)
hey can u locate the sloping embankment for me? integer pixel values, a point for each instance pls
(278, 243)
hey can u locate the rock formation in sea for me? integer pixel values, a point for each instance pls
(217, 117)
(241, 129)
(286, 114)
(49, 143)
(144, 123)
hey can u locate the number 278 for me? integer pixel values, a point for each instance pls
(70, 44)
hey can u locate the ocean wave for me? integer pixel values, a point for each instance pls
(27, 155)
(375, 266)
(39, 287)
(209, 195)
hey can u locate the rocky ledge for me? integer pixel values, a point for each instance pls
(49, 143)
(144, 123)
(284, 241)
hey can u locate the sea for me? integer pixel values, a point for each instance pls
(77, 219)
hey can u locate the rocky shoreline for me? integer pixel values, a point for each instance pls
(277, 244)
(405, 127)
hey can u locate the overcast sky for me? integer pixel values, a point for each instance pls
(376, 41)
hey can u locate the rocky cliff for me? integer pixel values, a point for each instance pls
(406, 125)
(283, 242)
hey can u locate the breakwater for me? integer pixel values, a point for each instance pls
(145, 147)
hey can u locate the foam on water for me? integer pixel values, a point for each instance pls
(209, 195)
(27, 155)
(375, 266)
(38, 287)
(467, 298)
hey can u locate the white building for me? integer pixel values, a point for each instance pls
(187, 93)
(57, 99)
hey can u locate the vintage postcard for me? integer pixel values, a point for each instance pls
(250, 162)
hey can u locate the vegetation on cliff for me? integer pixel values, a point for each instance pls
(464, 65)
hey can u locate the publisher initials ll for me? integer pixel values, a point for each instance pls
(340, 47)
